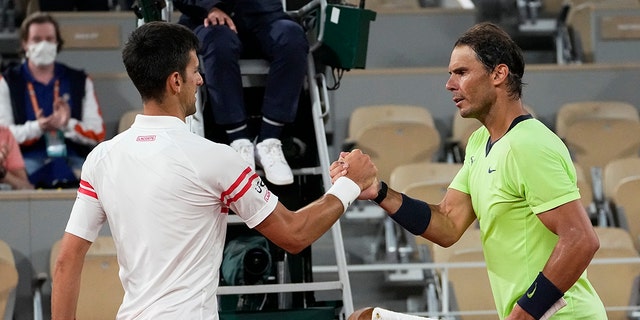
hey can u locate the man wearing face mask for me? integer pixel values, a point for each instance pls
(50, 108)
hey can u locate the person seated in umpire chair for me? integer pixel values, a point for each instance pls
(230, 30)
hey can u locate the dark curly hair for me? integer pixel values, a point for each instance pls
(493, 46)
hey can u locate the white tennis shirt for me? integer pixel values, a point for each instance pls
(165, 193)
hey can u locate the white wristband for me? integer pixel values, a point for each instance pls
(345, 190)
(561, 303)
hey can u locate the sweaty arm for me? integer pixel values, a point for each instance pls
(295, 230)
(577, 244)
(91, 129)
(449, 218)
(66, 277)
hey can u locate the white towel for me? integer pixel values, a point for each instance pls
(382, 314)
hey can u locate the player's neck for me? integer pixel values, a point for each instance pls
(500, 118)
(153, 108)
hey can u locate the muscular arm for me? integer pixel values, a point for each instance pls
(66, 277)
(449, 218)
(577, 244)
(295, 230)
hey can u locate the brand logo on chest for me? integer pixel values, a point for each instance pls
(146, 138)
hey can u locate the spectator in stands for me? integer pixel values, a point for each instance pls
(166, 193)
(12, 170)
(229, 30)
(50, 108)
(518, 180)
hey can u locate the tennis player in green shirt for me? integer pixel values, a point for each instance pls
(518, 181)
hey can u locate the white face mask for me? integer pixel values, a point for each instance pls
(42, 53)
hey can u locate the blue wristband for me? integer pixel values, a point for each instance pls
(413, 215)
(540, 297)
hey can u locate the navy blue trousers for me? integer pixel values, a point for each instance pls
(282, 42)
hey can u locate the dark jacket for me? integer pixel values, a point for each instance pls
(247, 13)
(18, 87)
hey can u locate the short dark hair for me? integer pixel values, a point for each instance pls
(493, 46)
(39, 18)
(154, 51)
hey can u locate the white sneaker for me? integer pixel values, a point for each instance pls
(245, 148)
(270, 157)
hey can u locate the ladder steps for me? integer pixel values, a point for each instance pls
(285, 287)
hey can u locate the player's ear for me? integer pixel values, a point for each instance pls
(500, 73)
(174, 82)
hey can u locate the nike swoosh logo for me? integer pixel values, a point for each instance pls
(491, 170)
(532, 292)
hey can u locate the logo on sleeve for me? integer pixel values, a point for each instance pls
(491, 170)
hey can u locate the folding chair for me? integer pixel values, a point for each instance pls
(614, 282)
(571, 112)
(616, 170)
(594, 143)
(471, 292)
(586, 26)
(626, 198)
(393, 135)
(612, 174)
(427, 181)
(586, 192)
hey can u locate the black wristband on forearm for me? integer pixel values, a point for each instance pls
(540, 297)
(382, 193)
(413, 215)
(3, 172)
